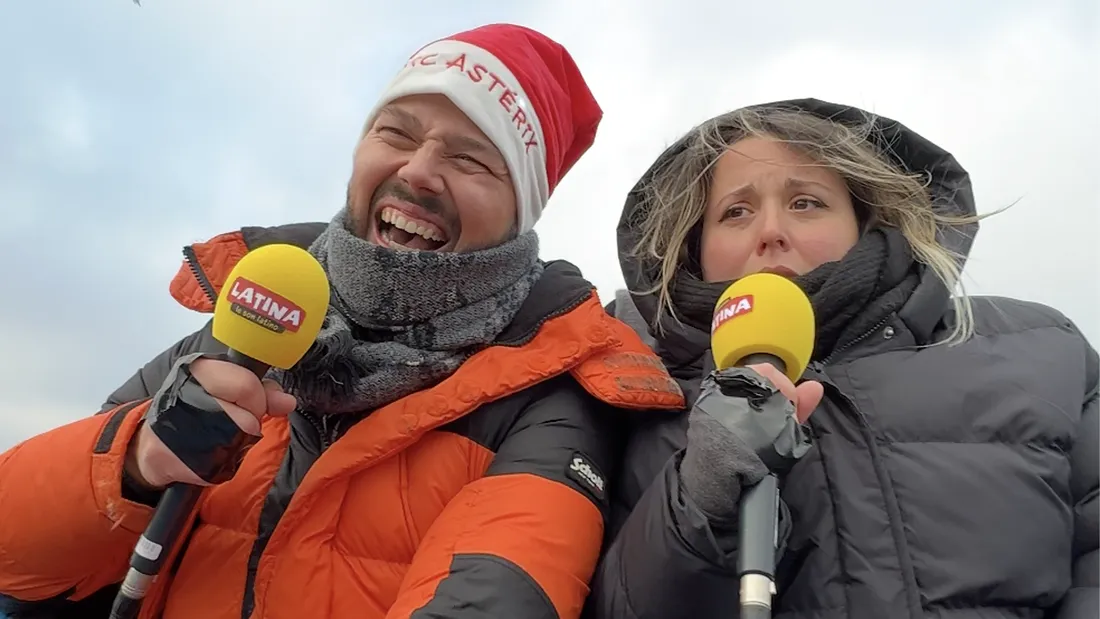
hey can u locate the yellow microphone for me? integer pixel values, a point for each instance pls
(761, 318)
(268, 314)
(767, 318)
(271, 307)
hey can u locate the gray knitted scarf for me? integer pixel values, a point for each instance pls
(401, 321)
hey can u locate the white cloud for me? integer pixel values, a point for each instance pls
(67, 120)
(29, 370)
(21, 419)
(1011, 102)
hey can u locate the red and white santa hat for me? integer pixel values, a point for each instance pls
(519, 87)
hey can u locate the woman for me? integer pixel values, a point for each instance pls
(953, 468)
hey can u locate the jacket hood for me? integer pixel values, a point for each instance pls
(949, 187)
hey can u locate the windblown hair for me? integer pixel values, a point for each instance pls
(674, 199)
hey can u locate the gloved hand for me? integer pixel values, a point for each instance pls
(207, 411)
(745, 423)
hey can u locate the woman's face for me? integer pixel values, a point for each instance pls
(771, 208)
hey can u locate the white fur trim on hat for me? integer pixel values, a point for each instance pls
(489, 94)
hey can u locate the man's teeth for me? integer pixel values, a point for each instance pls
(397, 220)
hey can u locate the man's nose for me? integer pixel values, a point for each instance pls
(422, 170)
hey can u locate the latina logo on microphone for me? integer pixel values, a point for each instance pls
(253, 302)
(732, 308)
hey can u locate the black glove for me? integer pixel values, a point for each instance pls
(194, 427)
(740, 428)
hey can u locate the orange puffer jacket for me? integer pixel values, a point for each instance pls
(484, 496)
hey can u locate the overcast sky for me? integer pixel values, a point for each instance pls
(128, 131)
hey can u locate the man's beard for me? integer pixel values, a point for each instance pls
(359, 226)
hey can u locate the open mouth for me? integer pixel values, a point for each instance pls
(399, 230)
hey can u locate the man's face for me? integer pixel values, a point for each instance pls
(426, 178)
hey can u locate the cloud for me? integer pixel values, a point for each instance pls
(127, 132)
(1009, 100)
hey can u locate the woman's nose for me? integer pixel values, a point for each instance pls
(772, 236)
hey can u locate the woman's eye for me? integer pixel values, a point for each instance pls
(808, 203)
(735, 211)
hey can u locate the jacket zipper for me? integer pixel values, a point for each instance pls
(192, 261)
(317, 425)
(817, 369)
(849, 408)
(855, 341)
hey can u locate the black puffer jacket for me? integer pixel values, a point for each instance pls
(945, 481)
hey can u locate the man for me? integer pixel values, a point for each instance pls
(441, 451)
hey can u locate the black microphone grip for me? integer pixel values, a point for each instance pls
(758, 531)
(259, 368)
(174, 507)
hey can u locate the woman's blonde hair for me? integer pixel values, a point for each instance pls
(674, 198)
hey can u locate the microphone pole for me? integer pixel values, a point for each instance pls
(163, 531)
(757, 313)
(758, 530)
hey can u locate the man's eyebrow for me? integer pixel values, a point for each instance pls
(466, 143)
(401, 115)
(461, 143)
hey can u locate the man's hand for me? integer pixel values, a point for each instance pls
(205, 413)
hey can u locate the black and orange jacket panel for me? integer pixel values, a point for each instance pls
(485, 495)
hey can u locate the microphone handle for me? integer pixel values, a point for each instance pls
(758, 521)
(175, 505)
(760, 358)
(758, 532)
(259, 368)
